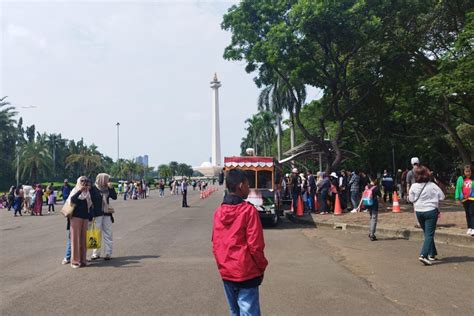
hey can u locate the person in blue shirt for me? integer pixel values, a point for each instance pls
(66, 190)
(387, 184)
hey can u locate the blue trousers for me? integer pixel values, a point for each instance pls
(428, 222)
(242, 301)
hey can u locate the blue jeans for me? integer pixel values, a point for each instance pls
(67, 255)
(428, 222)
(242, 301)
(355, 198)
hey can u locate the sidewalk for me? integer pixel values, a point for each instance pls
(451, 228)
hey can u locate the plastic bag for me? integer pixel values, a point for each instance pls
(94, 237)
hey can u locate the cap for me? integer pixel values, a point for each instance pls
(333, 174)
(415, 160)
(294, 170)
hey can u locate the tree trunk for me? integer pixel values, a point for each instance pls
(279, 137)
(466, 158)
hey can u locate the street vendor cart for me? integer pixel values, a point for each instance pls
(264, 176)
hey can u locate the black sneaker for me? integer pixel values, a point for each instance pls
(372, 238)
(425, 261)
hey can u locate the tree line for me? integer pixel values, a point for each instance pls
(396, 78)
(44, 157)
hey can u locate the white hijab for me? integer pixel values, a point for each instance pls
(84, 195)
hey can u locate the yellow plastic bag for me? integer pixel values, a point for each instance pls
(94, 237)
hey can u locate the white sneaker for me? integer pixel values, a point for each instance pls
(74, 266)
(354, 211)
(65, 261)
(469, 232)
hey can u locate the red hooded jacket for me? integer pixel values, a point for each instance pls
(237, 242)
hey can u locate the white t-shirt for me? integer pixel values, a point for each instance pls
(28, 190)
(429, 198)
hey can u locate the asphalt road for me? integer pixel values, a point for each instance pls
(163, 265)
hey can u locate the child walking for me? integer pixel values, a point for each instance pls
(370, 200)
(237, 244)
(51, 200)
(465, 195)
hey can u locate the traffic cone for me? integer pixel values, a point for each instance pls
(201, 196)
(337, 206)
(299, 207)
(316, 204)
(396, 204)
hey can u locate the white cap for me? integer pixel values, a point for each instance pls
(415, 160)
(294, 170)
(333, 174)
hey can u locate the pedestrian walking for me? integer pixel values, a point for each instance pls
(18, 202)
(465, 195)
(51, 200)
(425, 196)
(28, 194)
(238, 247)
(102, 192)
(65, 190)
(81, 198)
(38, 204)
(370, 200)
(184, 192)
(415, 162)
(11, 197)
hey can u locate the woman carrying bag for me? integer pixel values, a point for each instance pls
(425, 196)
(81, 199)
(101, 192)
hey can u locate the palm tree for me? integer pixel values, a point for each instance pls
(173, 168)
(277, 98)
(164, 171)
(260, 132)
(6, 115)
(35, 161)
(88, 159)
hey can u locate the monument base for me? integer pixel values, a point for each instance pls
(209, 171)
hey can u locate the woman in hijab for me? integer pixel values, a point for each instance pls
(103, 214)
(81, 198)
(38, 204)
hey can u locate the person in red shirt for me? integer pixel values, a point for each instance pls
(237, 244)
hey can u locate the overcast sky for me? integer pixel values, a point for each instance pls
(86, 65)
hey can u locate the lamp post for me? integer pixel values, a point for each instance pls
(118, 143)
(17, 164)
(118, 148)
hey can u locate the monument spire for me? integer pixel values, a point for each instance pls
(216, 135)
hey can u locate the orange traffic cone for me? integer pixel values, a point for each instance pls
(337, 206)
(396, 204)
(316, 204)
(299, 207)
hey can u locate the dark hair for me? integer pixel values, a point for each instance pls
(422, 174)
(233, 178)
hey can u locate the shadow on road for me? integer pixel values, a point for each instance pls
(291, 222)
(119, 262)
(460, 259)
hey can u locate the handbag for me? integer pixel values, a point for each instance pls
(68, 208)
(94, 237)
(109, 210)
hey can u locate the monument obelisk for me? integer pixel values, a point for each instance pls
(216, 133)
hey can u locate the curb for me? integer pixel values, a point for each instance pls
(409, 234)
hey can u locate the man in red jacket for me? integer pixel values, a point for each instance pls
(237, 244)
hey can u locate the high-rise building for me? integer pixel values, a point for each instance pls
(143, 160)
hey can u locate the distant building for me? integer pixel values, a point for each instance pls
(143, 160)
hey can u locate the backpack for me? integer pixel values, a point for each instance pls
(368, 196)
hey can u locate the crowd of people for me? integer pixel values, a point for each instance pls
(29, 199)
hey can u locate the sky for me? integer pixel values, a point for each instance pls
(79, 67)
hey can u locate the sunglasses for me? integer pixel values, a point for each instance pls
(83, 180)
